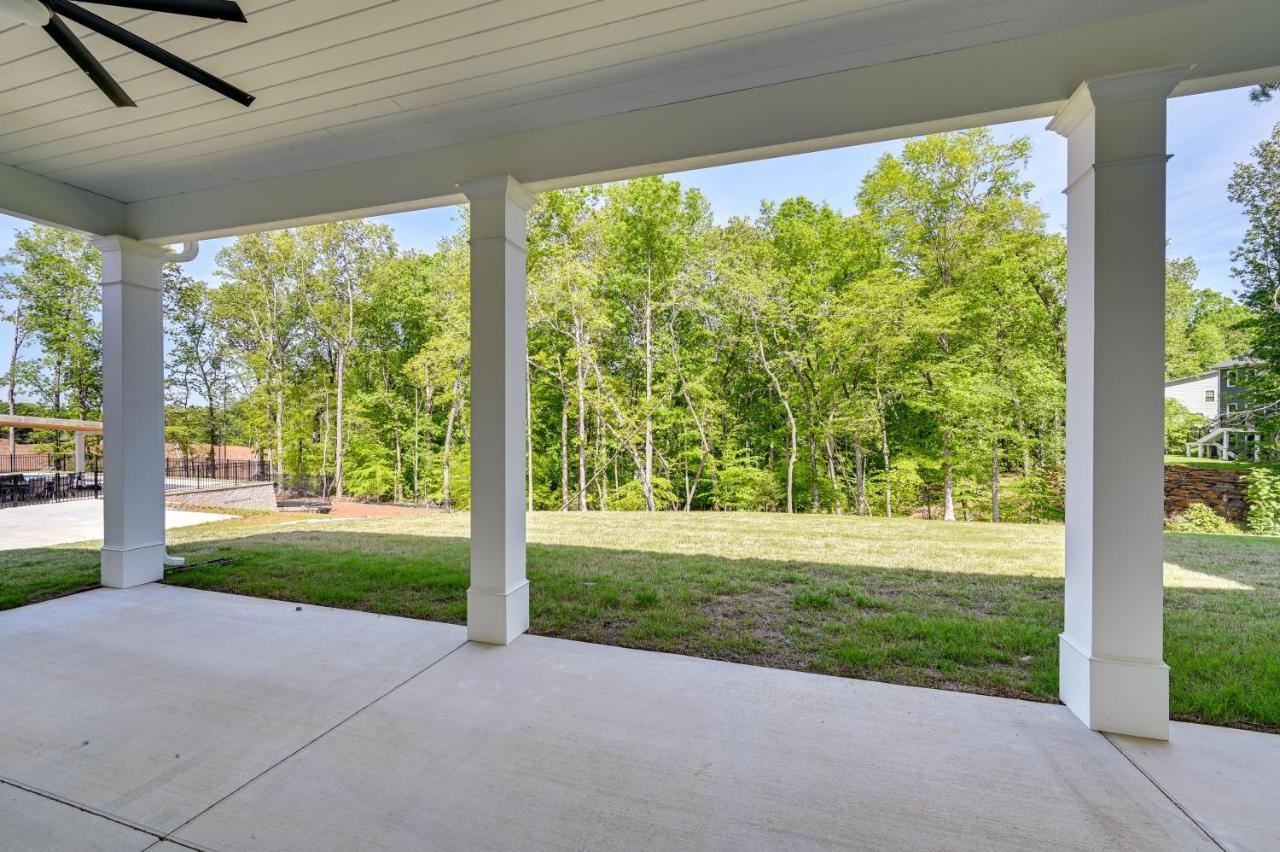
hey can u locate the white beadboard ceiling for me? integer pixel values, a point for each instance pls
(340, 82)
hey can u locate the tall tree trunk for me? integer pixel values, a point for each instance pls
(705, 445)
(948, 479)
(831, 474)
(18, 339)
(995, 482)
(626, 441)
(791, 423)
(324, 445)
(339, 447)
(647, 480)
(417, 437)
(815, 492)
(884, 450)
(454, 409)
(398, 493)
(860, 476)
(279, 459)
(582, 424)
(564, 454)
(528, 437)
(602, 463)
(1024, 440)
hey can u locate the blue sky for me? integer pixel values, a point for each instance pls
(1208, 134)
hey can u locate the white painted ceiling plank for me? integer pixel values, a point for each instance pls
(180, 34)
(508, 91)
(530, 113)
(228, 51)
(408, 47)
(394, 84)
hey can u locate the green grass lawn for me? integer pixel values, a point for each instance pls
(974, 607)
(1219, 464)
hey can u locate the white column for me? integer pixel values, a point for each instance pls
(79, 439)
(1112, 671)
(132, 412)
(498, 599)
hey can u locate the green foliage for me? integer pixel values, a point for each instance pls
(1180, 426)
(906, 487)
(1199, 518)
(1262, 492)
(54, 299)
(630, 497)
(1255, 186)
(910, 349)
(1202, 327)
(747, 489)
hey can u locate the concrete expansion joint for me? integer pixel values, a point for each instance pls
(83, 808)
(315, 740)
(1154, 783)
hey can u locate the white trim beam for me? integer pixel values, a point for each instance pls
(50, 202)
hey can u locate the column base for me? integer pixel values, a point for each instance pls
(124, 567)
(496, 618)
(1116, 696)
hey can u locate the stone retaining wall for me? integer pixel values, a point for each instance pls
(1220, 490)
(244, 495)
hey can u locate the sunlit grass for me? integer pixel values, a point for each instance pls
(975, 607)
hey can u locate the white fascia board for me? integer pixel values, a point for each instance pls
(49, 202)
(1229, 42)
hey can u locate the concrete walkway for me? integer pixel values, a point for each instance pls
(166, 718)
(48, 524)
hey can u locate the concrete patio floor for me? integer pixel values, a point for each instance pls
(166, 718)
(49, 524)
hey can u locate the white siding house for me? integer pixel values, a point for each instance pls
(1216, 396)
(1199, 394)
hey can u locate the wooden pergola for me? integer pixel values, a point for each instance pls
(79, 428)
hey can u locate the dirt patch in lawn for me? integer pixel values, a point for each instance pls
(356, 509)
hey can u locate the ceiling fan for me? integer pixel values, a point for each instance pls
(48, 15)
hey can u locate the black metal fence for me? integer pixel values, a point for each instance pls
(34, 478)
(38, 462)
(186, 474)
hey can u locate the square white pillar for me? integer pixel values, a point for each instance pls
(79, 456)
(132, 412)
(1112, 670)
(498, 599)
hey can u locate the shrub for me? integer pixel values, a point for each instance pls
(1180, 426)
(907, 484)
(748, 489)
(1199, 518)
(1263, 495)
(630, 495)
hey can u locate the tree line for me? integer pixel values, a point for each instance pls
(905, 358)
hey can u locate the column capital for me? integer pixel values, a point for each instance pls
(119, 243)
(127, 261)
(1148, 84)
(500, 186)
